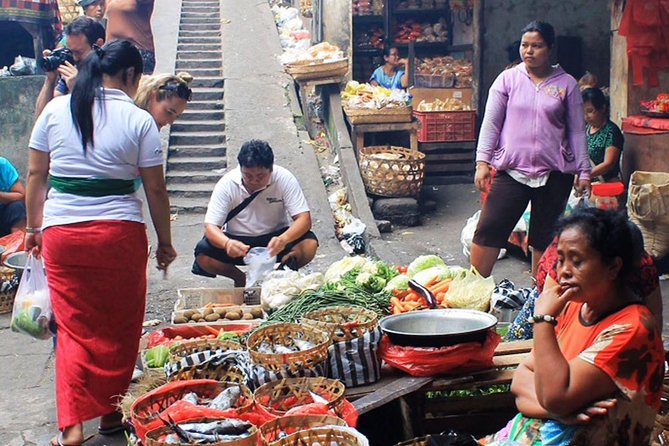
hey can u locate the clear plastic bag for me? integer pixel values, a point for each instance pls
(32, 311)
(260, 264)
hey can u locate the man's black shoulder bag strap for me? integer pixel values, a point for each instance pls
(241, 206)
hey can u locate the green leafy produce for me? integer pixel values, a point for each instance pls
(463, 393)
(24, 322)
(157, 356)
(424, 262)
(399, 282)
(341, 267)
(370, 282)
(441, 272)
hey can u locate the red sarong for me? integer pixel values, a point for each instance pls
(97, 279)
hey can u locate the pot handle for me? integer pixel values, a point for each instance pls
(427, 294)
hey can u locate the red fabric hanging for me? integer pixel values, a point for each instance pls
(645, 23)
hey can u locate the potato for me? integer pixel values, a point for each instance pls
(211, 317)
(207, 311)
(188, 314)
(220, 310)
(247, 316)
(180, 320)
(233, 315)
(257, 313)
(196, 317)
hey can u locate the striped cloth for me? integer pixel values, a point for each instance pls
(356, 362)
(39, 12)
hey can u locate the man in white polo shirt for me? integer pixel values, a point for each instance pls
(256, 204)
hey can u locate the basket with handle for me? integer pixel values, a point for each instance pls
(391, 171)
(277, 397)
(316, 69)
(378, 115)
(285, 334)
(343, 323)
(276, 429)
(156, 437)
(180, 349)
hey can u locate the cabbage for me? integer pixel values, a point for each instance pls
(422, 277)
(456, 271)
(341, 267)
(424, 262)
(157, 356)
(400, 282)
(470, 291)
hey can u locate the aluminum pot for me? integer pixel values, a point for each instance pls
(17, 261)
(438, 328)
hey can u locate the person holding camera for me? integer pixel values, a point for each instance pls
(61, 64)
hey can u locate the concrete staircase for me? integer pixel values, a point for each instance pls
(197, 152)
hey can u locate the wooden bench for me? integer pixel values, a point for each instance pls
(425, 411)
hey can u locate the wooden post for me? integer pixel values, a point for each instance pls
(619, 82)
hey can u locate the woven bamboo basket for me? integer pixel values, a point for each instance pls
(284, 334)
(147, 407)
(7, 297)
(306, 8)
(307, 70)
(277, 397)
(276, 429)
(181, 349)
(378, 116)
(156, 437)
(391, 171)
(222, 372)
(321, 436)
(69, 10)
(342, 323)
(151, 372)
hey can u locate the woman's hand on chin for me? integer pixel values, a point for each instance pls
(553, 300)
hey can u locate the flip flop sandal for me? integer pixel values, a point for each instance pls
(59, 441)
(111, 430)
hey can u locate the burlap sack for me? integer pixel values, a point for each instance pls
(648, 207)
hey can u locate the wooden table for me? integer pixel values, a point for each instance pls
(358, 132)
(303, 89)
(422, 414)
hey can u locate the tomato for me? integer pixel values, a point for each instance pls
(401, 269)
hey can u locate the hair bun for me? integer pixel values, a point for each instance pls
(185, 77)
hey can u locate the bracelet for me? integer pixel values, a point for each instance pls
(537, 318)
(225, 247)
(30, 230)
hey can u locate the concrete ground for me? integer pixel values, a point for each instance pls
(257, 104)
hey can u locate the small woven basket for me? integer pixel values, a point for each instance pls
(181, 349)
(7, 297)
(320, 436)
(147, 407)
(285, 334)
(222, 372)
(342, 323)
(307, 70)
(378, 116)
(306, 8)
(276, 429)
(391, 171)
(156, 437)
(277, 397)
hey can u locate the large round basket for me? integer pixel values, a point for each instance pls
(147, 407)
(222, 372)
(378, 116)
(391, 171)
(342, 323)
(181, 349)
(277, 397)
(327, 435)
(156, 437)
(307, 70)
(276, 429)
(285, 334)
(7, 296)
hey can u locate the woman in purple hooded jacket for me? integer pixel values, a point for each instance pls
(533, 134)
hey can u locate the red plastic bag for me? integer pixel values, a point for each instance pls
(166, 335)
(13, 242)
(346, 411)
(430, 361)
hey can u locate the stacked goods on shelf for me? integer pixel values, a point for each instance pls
(412, 5)
(374, 37)
(365, 103)
(367, 7)
(443, 72)
(411, 30)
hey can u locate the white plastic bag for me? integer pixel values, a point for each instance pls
(32, 311)
(467, 235)
(260, 263)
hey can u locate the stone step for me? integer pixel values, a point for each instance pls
(191, 190)
(199, 115)
(204, 105)
(186, 64)
(199, 55)
(213, 46)
(207, 94)
(207, 82)
(200, 33)
(202, 20)
(198, 126)
(196, 163)
(197, 151)
(190, 27)
(180, 205)
(193, 176)
(196, 40)
(205, 72)
(201, 12)
(196, 138)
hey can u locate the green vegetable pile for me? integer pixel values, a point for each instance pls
(157, 356)
(23, 321)
(464, 393)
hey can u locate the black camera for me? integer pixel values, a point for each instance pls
(56, 59)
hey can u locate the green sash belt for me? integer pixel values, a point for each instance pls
(92, 187)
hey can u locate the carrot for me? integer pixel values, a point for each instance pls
(441, 286)
(400, 294)
(440, 297)
(397, 310)
(413, 297)
(395, 302)
(211, 329)
(409, 306)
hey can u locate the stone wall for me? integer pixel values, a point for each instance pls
(589, 20)
(17, 96)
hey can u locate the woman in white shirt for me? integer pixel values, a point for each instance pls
(88, 147)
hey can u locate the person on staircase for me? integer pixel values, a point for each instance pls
(165, 96)
(249, 208)
(131, 20)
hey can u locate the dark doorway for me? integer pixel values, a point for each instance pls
(14, 41)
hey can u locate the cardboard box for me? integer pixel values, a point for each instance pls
(430, 94)
(199, 297)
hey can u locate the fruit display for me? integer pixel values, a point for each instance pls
(413, 31)
(659, 105)
(450, 104)
(359, 95)
(219, 312)
(453, 72)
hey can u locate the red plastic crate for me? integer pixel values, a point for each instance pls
(440, 126)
